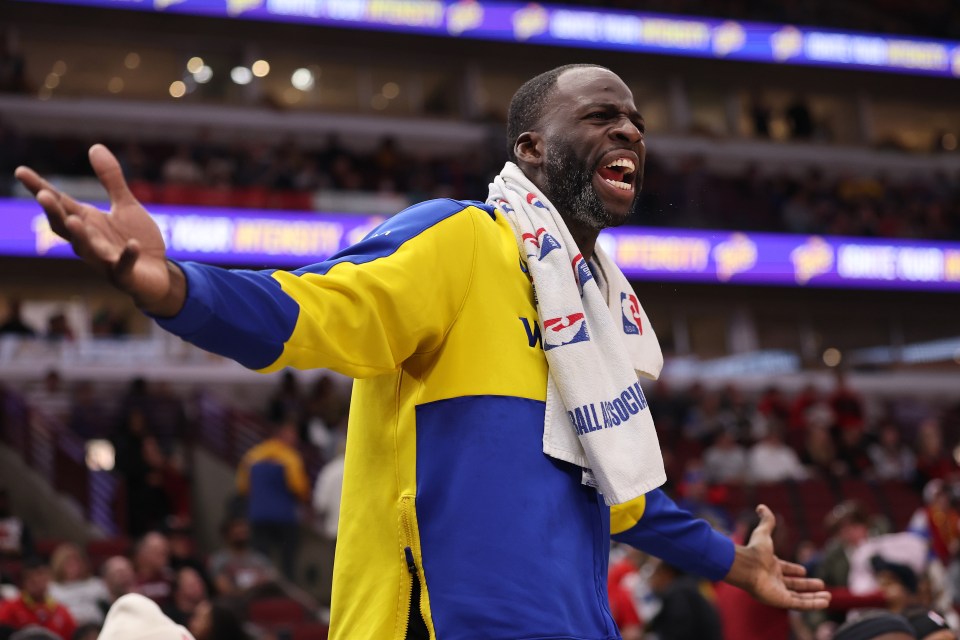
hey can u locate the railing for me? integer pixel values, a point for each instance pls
(59, 456)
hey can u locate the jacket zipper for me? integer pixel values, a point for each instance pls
(416, 626)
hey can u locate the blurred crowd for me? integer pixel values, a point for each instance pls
(719, 443)
(689, 194)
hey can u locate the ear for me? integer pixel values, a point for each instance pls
(529, 149)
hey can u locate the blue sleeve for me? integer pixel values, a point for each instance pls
(675, 536)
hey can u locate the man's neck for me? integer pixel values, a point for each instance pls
(584, 236)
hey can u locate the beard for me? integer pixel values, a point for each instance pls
(569, 187)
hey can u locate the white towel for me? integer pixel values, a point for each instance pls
(597, 340)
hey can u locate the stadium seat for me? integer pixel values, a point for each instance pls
(276, 612)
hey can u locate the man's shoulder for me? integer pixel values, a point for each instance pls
(417, 218)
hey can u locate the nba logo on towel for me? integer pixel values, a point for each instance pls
(504, 206)
(632, 322)
(535, 201)
(541, 240)
(559, 332)
(582, 271)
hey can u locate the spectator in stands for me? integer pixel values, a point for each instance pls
(130, 465)
(16, 539)
(51, 397)
(694, 498)
(799, 119)
(846, 404)
(59, 329)
(183, 548)
(214, 621)
(154, 578)
(933, 461)
(14, 324)
(134, 617)
(898, 582)
(237, 568)
(852, 452)
(167, 417)
(892, 460)
(181, 169)
(35, 606)
(74, 586)
(622, 582)
(273, 479)
(876, 626)
(326, 504)
(286, 403)
(188, 592)
(87, 631)
(119, 579)
(803, 402)
(849, 525)
(684, 613)
(86, 412)
(930, 625)
(155, 490)
(760, 113)
(819, 454)
(725, 461)
(770, 460)
(938, 521)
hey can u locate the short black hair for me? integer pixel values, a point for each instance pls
(526, 106)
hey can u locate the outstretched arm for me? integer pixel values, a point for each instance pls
(656, 525)
(125, 245)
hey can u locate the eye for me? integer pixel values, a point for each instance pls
(598, 115)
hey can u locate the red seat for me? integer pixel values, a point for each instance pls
(45, 547)
(309, 631)
(276, 612)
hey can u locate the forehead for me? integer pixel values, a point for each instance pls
(588, 85)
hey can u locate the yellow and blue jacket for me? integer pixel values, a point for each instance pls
(453, 525)
(272, 477)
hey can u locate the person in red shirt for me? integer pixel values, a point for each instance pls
(35, 606)
(620, 594)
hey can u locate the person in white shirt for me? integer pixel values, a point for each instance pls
(770, 460)
(725, 461)
(326, 503)
(74, 587)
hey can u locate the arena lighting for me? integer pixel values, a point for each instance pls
(260, 68)
(302, 79)
(59, 67)
(194, 64)
(203, 75)
(241, 75)
(390, 90)
(178, 89)
(832, 357)
(590, 28)
(115, 85)
(292, 239)
(943, 350)
(132, 61)
(757, 363)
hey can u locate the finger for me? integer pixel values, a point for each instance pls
(90, 244)
(810, 601)
(792, 569)
(56, 215)
(803, 585)
(32, 180)
(767, 522)
(128, 257)
(110, 174)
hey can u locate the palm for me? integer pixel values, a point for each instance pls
(125, 245)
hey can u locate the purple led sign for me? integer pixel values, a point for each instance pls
(588, 28)
(266, 239)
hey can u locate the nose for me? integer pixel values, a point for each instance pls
(626, 131)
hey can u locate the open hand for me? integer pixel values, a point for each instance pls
(757, 570)
(125, 245)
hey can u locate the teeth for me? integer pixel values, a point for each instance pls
(623, 162)
(619, 185)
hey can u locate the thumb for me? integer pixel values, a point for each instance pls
(767, 522)
(110, 174)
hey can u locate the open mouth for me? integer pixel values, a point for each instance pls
(619, 173)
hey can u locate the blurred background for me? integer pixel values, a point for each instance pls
(797, 250)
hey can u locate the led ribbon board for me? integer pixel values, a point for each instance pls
(268, 239)
(588, 28)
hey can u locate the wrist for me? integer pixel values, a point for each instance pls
(745, 568)
(171, 303)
